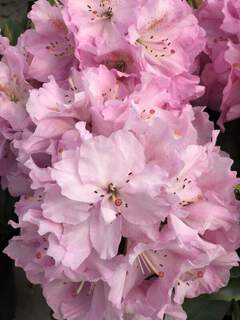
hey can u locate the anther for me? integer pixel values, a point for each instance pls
(161, 274)
(38, 255)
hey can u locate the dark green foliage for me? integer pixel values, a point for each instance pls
(12, 29)
(202, 308)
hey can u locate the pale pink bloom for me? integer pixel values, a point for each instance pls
(56, 111)
(99, 26)
(207, 279)
(220, 20)
(161, 92)
(231, 104)
(101, 85)
(108, 100)
(196, 187)
(110, 175)
(133, 208)
(55, 202)
(229, 239)
(30, 248)
(203, 125)
(175, 312)
(74, 246)
(168, 36)
(13, 93)
(49, 48)
(215, 82)
(211, 17)
(13, 89)
(45, 146)
(14, 176)
(16, 180)
(154, 269)
(231, 11)
(48, 249)
(52, 101)
(161, 129)
(79, 300)
(13, 118)
(215, 68)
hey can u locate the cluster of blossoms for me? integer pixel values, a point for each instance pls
(126, 204)
(220, 63)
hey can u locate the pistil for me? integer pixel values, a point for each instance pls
(146, 263)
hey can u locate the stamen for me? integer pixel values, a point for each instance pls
(80, 287)
(140, 264)
(74, 293)
(150, 264)
(38, 255)
(92, 286)
(72, 86)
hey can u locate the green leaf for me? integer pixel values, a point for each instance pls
(12, 29)
(235, 272)
(229, 141)
(202, 308)
(229, 293)
(235, 311)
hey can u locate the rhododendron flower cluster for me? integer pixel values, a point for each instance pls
(220, 73)
(126, 203)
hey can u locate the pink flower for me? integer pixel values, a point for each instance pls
(108, 99)
(168, 36)
(231, 11)
(215, 68)
(127, 205)
(160, 92)
(52, 101)
(13, 119)
(99, 27)
(50, 47)
(154, 270)
(13, 89)
(102, 85)
(220, 19)
(195, 282)
(230, 104)
(106, 174)
(56, 112)
(30, 248)
(82, 299)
